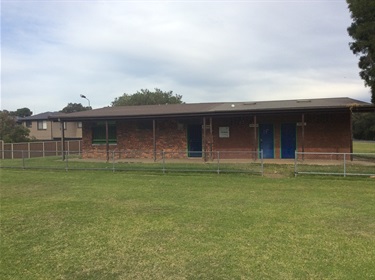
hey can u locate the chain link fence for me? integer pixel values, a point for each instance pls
(138, 160)
(343, 164)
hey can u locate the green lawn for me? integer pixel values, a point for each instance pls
(104, 225)
(363, 146)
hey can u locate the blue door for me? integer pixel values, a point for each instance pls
(194, 133)
(266, 140)
(288, 140)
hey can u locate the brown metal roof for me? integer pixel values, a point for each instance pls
(214, 109)
(41, 116)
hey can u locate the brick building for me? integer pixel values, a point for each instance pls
(279, 128)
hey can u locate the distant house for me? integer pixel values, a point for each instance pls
(43, 128)
(278, 128)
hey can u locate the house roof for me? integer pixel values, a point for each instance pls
(220, 108)
(39, 117)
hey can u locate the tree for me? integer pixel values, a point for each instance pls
(75, 107)
(362, 30)
(22, 112)
(146, 97)
(10, 130)
(364, 126)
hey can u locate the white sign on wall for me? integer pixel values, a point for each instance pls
(224, 132)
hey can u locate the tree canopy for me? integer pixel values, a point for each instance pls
(10, 130)
(364, 126)
(75, 107)
(146, 97)
(22, 112)
(362, 30)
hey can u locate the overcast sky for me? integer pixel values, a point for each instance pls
(206, 51)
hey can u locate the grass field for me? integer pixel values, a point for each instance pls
(100, 225)
(364, 146)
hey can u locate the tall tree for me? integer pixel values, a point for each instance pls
(10, 130)
(22, 112)
(362, 30)
(146, 97)
(74, 107)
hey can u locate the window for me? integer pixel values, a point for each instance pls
(64, 124)
(28, 124)
(98, 133)
(42, 125)
(79, 124)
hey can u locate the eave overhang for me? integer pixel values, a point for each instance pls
(178, 111)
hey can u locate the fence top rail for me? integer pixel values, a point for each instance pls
(34, 151)
(184, 151)
(328, 153)
(39, 142)
(139, 151)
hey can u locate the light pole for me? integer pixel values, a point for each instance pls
(83, 96)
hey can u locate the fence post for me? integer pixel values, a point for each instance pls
(11, 149)
(113, 161)
(2, 149)
(66, 160)
(218, 162)
(79, 148)
(344, 165)
(163, 156)
(295, 163)
(23, 160)
(44, 149)
(28, 150)
(261, 161)
(56, 148)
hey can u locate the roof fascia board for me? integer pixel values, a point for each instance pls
(218, 113)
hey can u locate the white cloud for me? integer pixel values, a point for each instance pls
(207, 51)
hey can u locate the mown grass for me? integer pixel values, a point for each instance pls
(364, 146)
(102, 225)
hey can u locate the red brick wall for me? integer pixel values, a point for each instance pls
(134, 140)
(241, 136)
(328, 133)
(171, 136)
(323, 133)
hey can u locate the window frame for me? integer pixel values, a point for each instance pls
(65, 125)
(42, 125)
(29, 124)
(98, 133)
